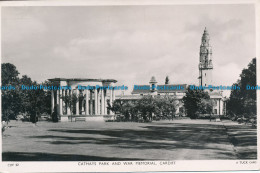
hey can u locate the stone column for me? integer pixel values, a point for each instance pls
(213, 107)
(105, 102)
(87, 102)
(77, 103)
(224, 108)
(82, 102)
(102, 102)
(111, 100)
(58, 102)
(68, 107)
(95, 101)
(52, 101)
(91, 102)
(72, 105)
(98, 102)
(114, 96)
(61, 104)
(111, 97)
(220, 107)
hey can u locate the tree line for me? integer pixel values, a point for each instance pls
(148, 108)
(242, 103)
(156, 107)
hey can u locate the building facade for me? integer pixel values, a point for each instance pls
(177, 91)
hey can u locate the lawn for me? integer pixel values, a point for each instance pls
(108, 141)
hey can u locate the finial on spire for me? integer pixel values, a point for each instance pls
(205, 30)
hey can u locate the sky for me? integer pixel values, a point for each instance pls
(128, 43)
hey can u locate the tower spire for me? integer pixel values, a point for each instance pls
(205, 64)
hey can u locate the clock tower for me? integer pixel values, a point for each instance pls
(205, 64)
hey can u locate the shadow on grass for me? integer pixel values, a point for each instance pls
(20, 156)
(179, 136)
(244, 139)
(183, 136)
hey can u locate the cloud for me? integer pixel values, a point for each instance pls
(127, 43)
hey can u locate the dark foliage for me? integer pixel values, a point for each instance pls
(196, 102)
(242, 103)
(21, 101)
(147, 108)
(167, 80)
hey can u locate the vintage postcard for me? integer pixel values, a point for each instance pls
(125, 86)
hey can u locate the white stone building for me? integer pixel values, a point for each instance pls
(94, 99)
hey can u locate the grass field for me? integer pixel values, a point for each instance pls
(106, 141)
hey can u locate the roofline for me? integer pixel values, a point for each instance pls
(83, 79)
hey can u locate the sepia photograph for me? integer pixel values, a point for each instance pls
(106, 85)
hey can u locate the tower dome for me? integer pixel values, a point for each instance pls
(153, 85)
(153, 80)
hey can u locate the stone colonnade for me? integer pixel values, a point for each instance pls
(89, 102)
(219, 106)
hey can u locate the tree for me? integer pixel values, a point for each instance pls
(10, 97)
(167, 80)
(115, 107)
(10, 104)
(127, 108)
(26, 101)
(33, 100)
(46, 103)
(235, 101)
(9, 74)
(194, 102)
(146, 106)
(165, 106)
(243, 101)
(206, 106)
